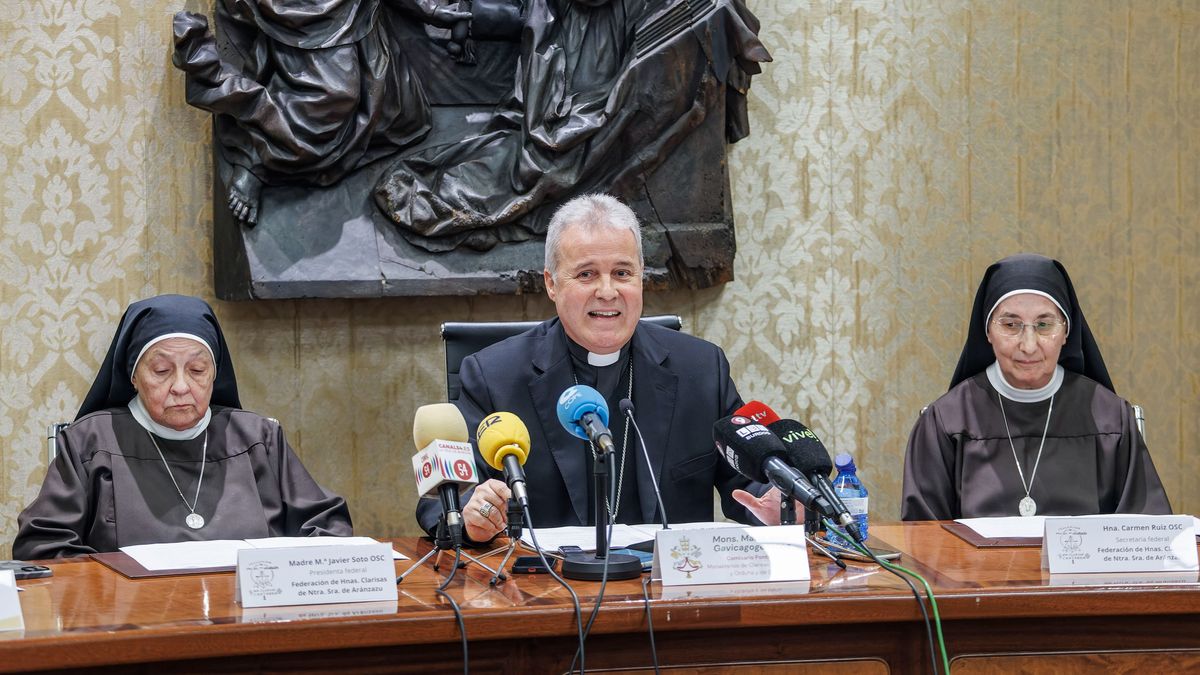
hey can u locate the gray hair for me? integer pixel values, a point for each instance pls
(591, 211)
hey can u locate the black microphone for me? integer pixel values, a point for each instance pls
(627, 408)
(756, 453)
(808, 454)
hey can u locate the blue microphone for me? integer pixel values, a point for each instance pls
(584, 413)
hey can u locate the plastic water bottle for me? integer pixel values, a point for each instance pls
(849, 488)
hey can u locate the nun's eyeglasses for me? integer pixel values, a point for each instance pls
(1012, 328)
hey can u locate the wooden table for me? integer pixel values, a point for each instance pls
(1000, 614)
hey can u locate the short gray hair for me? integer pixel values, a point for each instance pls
(591, 211)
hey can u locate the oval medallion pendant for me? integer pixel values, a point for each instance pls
(196, 521)
(1027, 507)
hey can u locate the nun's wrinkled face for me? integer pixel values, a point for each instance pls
(174, 379)
(1028, 357)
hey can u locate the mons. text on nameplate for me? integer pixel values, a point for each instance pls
(315, 575)
(1119, 543)
(730, 555)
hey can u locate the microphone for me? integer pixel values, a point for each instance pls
(756, 453)
(759, 412)
(503, 441)
(582, 410)
(627, 408)
(808, 454)
(444, 464)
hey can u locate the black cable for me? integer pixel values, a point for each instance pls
(608, 516)
(462, 626)
(546, 563)
(650, 622)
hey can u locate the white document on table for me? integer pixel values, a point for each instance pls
(552, 538)
(190, 555)
(298, 542)
(1020, 526)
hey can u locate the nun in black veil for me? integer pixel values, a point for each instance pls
(1031, 424)
(161, 451)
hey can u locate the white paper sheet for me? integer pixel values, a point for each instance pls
(1017, 526)
(551, 538)
(190, 555)
(285, 542)
(187, 555)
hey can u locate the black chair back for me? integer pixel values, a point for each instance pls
(463, 339)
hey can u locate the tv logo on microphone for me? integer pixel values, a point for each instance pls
(568, 397)
(730, 456)
(752, 431)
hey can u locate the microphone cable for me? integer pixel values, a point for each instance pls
(458, 616)
(611, 518)
(650, 622)
(900, 571)
(562, 582)
(627, 406)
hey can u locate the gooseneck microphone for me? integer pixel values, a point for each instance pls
(808, 454)
(584, 413)
(503, 441)
(756, 453)
(627, 408)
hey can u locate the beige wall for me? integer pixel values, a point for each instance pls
(897, 149)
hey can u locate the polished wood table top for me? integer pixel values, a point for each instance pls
(87, 615)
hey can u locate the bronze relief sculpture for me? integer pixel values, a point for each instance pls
(432, 131)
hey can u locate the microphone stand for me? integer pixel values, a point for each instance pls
(449, 537)
(591, 567)
(787, 511)
(516, 522)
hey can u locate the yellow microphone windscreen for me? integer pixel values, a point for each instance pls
(441, 421)
(499, 435)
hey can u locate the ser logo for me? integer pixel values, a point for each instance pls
(487, 422)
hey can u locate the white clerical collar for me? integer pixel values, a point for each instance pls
(143, 418)
(1024, 395)
(601, 360)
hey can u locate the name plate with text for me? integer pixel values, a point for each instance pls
(1119, 544)
(11, 617)
(322, 575)
(730, 555)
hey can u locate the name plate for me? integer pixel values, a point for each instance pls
(730, 555)
(1119, 544)
(10, 605)
(273, 577)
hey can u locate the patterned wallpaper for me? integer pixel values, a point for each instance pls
(897, 149)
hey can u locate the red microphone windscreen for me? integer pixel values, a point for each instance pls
(758, 411)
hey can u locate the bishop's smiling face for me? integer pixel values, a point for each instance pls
(597, 286)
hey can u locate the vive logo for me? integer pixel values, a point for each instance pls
(795, 435)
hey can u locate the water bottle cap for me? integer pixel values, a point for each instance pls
(844, 461)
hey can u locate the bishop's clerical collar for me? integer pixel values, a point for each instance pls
(602, 371)
(582, 355)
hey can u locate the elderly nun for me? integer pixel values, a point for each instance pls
(161, 451)
(1031, 424)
